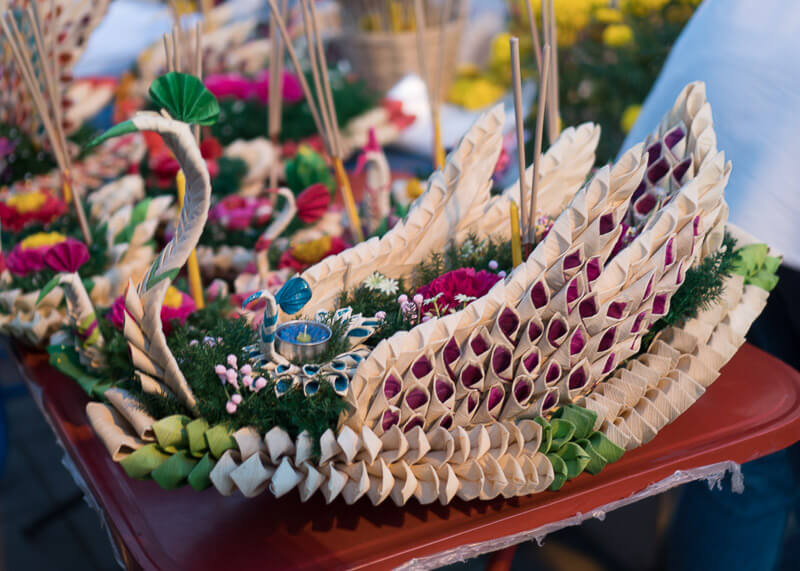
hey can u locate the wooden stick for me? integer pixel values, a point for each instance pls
(516, 78)
(177, 48)
(537, 143)
(438, 147)
(338, 165)
(326, 82)
(554, 117)
(198, 67)
(24, 61)
(419, 21)
(168, 52)
(537, 48)
(287, 40)
(315, 75)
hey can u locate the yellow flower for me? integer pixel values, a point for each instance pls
(312, 251)
(500, 55)
(617, 35)
(41, 239)
(27, 201)
(572, 16)
(173, 298)
(413, 189)
(629, 117)
(475, 93)
(606, 15)
(642, 7)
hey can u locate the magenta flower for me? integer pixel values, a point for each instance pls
(239, 212)
(177, 306)
(67, 256)
(230, 85)
(464, 281)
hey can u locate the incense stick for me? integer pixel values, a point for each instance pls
(326, 82)
(517, 83)
(553, 126)
(315, 76)
(287, 40)
(537, 49)
(198, 64)
(537, 143)
(55, 135)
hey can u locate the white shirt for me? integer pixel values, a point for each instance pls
(748, 54)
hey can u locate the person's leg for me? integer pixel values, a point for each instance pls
(718, 529)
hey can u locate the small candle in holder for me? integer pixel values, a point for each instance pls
(302, 340)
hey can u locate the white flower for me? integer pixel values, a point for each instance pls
(434, 298)
(388, 286)
(461, 298)
(374, 281)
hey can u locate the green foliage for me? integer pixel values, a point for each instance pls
(757, 266)
(232, 172)
(26, 159)
(474, 252)
(249, 119)
(368, 302)
(118, 359)
(702, 287)
(308, 167)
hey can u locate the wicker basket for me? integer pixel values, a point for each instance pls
(382, 59)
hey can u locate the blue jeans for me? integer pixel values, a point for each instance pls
(718, 529)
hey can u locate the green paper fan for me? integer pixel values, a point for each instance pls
(185, 98)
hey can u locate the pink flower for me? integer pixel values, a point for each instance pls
(177, 306)
(236, 212)
(291, 90)
(465, 281)
(313, 202)
(67, 256)
(230, 85)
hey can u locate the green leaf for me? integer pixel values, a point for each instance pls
(764, 279)
(563, 431)
(65, 359)
(138, 215)
(559, 470)
(199, 478)
(196, 433)
(219, 440)
(607, 449)
(596, 461)
(751, 258)
(771, 264)
(547, 434)
(173, 472)
(185, 98)
(170, 433)
(143, 461)
(575, 458)
(48, 287)
(582, 418)
(115, 131)
(169, 274)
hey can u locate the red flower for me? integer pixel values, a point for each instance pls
(210, 148)
(34, 206)
(313, 202)
(465, 281)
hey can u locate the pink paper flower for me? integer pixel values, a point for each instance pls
(236, 212)
(464, 281)
(67, 256)
(313, 202)
(19, 210)
(28, 256)
(230, 85)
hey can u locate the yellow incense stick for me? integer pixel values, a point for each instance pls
(438, 148)
(192, 267)
(516, 243)
(349, 201)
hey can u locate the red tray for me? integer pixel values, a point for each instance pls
(750, 411)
